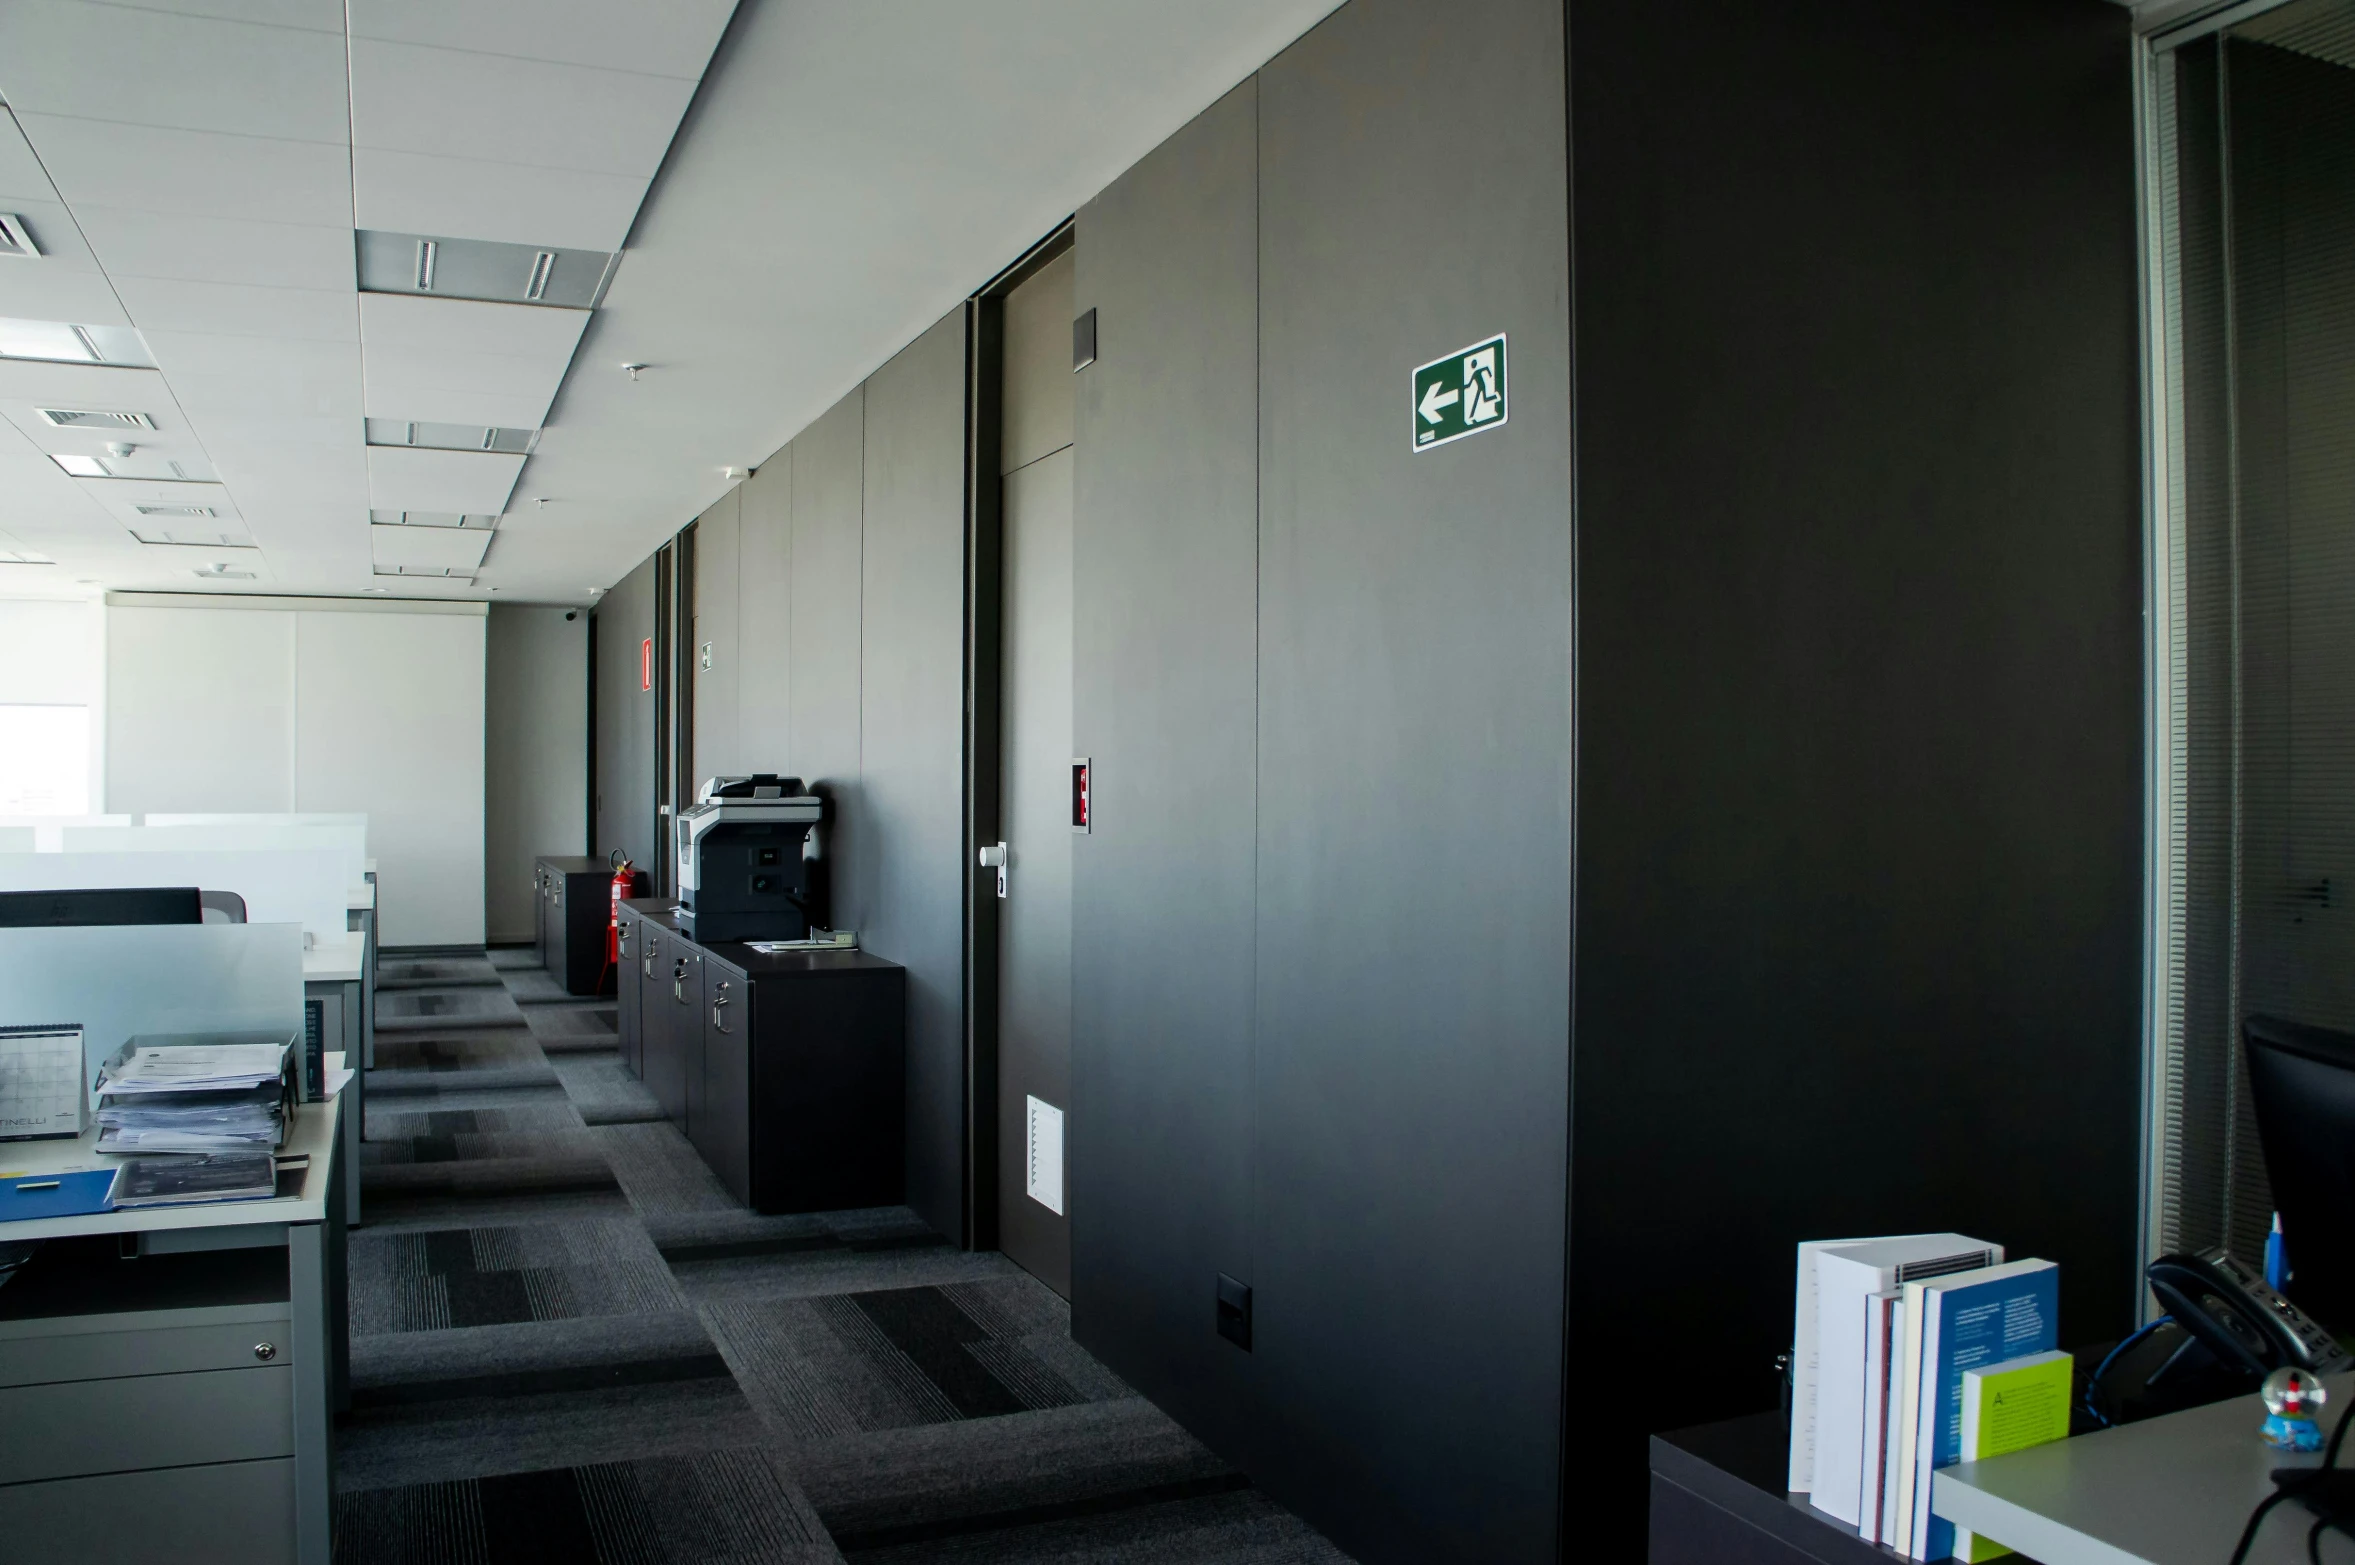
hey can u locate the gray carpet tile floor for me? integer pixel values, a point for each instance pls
(569, 1343)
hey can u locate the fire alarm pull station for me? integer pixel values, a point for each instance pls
(1079, 793)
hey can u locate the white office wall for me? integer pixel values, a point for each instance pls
(536, 738)
(200, 709)
(53, 653)
(375, 709)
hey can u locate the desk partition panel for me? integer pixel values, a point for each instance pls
(309, 886)
(118, 981)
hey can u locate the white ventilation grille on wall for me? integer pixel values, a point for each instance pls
(1045, 1162)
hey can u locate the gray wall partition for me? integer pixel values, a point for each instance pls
(908, 827)
(719, 747)
(1165, 593)
(625, 721)
(535, 754)
(1860, 682)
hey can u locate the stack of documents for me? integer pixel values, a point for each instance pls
(212, 1176)
(204, 1098)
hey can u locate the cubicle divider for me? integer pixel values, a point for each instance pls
(116, 981)
(306, 886)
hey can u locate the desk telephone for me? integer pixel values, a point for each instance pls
(2224, 1332)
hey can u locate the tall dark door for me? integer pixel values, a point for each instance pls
(1034, 939)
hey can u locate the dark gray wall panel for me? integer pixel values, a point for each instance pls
(625, 720)
(764, 627)
(1859, 665)
(828, 480)
(717, 581)
(908, 832)
(1413, 877)
(1165, 590)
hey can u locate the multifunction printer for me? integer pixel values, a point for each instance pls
(751, 860)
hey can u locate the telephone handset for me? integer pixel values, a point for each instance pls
(2228, 1309)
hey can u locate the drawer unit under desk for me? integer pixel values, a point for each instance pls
(88, 1394)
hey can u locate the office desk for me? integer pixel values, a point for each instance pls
(335, 985)
(124, 1425)
(2167, 1491)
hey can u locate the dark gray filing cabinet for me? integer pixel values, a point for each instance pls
(799, 1098)
(645, 924)
(575, 902)
(671, 1029)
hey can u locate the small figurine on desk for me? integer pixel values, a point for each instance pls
(2293, 1397)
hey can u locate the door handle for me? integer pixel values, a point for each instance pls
(718, 1000)
(997, 857)
(679, 980)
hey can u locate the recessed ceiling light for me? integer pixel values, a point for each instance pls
(80, 466)
(61, 342)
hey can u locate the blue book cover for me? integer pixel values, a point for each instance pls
(1969, 1321)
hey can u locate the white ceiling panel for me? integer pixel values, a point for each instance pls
(22, 178)
(451, 103)
(85, 386)
(186, 72)
(430, 548)
(672, 39)
(299, 444)
(467, 198)
(131, 243)
(36, 291)
(232, 309)
(260, 377)
(410, 478)
(195, 173)
(320, 16)
(460, 361)
(122, 497)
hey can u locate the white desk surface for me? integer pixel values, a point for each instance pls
(313, 1132)
(361, 896)
(2167, 1491)
(332, 961)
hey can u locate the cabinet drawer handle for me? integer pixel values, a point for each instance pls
(719, 1024)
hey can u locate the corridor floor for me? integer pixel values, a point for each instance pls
(570, 1345)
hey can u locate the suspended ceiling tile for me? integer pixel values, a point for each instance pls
(231, 309)
(134, 243)
(122, 498)
(85, 386)
(260, 377)
(37, 291)
(469, 198)
(293, 442)
(195, 173)
(673, 39)
(411, 478)
(430, 548)
(460, 361)
(452, 103)
(22, 178)
(182, 72)
(320, 16)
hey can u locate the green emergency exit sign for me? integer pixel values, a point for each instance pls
(1461, 394)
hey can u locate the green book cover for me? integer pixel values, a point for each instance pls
(2010, 1407)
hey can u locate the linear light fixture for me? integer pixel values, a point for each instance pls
(80, 466)
(542, 264)
(175, 510)
(427, 250)
(62, 342)
(427, 435)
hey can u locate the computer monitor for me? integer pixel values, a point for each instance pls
(2302, 1084)
(101, 905)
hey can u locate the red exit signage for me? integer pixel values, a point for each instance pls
(646, 664)
(1079, 794)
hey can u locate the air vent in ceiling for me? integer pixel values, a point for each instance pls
(174, 510)
(446, 572)
(431, 519)
(17, 240)
(221, 570)
(192, 538)
(84, 418)
(481, 269)
(451, 437)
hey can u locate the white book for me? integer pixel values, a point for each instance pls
(1878, 1313)
(1847, 1276)
(1893, 1475)
(1803, 1343)
(1908, 1419)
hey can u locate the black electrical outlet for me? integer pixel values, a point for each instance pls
(1234, 1311)
(764, 856)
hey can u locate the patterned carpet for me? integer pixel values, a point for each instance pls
(569, 1344)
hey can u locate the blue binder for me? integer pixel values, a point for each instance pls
(71, 1194)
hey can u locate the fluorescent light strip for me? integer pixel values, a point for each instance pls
(89, 344)
(425, 255)
(542, 264)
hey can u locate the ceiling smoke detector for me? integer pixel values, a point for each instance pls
(634, 369)
(85, 418)
(120, 448)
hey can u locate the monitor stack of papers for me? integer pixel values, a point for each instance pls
(194, 1098)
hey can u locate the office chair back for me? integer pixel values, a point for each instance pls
(2302, 1083)
(222, 907)
(101, 905)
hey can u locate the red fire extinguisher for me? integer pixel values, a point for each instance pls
(625, 884)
